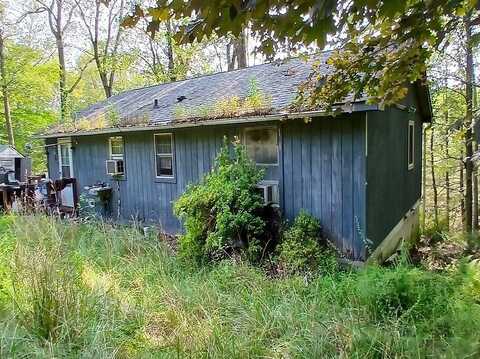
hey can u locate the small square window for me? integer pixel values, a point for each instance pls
(164, 157)
(411, 145)
(262, 145)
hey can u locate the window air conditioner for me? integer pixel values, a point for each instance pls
(269, 192)
(114, 167)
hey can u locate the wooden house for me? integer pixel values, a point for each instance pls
(359, 172)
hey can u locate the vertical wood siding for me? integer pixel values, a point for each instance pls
(324, 174)
(321, 169)
(392, 188)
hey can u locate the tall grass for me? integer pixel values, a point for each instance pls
(78, 290)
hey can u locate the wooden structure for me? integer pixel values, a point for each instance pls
(359, 172)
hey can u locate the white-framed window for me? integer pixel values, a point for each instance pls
(116, 150)
(262, 144)
(116, 147)
(411, 144)
(164, 155)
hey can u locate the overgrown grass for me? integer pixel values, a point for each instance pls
(71, 290)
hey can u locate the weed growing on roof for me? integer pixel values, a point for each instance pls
(255, 103)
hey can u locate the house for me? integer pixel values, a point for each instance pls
(359, 172)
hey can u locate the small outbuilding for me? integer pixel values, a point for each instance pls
(358, 172)
(13, 161)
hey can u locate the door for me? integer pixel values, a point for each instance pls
(65, 164)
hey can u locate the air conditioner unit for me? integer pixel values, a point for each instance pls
(114, 167)
(270, 193)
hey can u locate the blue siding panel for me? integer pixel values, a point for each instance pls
(321, 170)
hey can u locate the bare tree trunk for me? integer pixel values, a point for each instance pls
(237, 52)
(475, 195)
(447, 179)
(170, 55)
(5, 94)
(230, 56)
(424, 177)
(434, 182)
(462, 192)
(61, 62)
(241, 50)
(468, 125)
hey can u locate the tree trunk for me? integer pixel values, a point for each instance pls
(447, 182)
(468, 125)
(462, 192)
(237, 52)
(171, 63)
(434, 182)
(424, 178)
(241, 50)
(5, 94)
(61, 62)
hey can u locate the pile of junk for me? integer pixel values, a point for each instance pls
(22, 192)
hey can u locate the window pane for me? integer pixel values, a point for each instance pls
(66, 171)
(163, 144)
(410, 144)
(116, 146)
(164, 166)
(262, 144)
(65, 153)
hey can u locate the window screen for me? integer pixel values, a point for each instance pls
(164, 155)
(262, 145)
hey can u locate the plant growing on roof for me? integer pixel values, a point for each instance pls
(255, 103)
(220, 213)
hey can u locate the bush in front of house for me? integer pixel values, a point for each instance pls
(301, 250)
(220, 214)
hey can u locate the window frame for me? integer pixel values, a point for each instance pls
(112, 156)
(172, 154)
(411, 144)
(277, 131)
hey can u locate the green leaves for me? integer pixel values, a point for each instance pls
(219, 213)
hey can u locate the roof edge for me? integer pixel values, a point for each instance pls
(354, 107)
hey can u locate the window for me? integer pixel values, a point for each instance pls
(411, 144)
(117, 152)
(262, 145)
(116, 148)
(164, 159)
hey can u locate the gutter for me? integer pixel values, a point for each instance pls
(202, 123)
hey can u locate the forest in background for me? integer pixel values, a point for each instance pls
(60, 56)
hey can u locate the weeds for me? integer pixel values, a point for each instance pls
(93, 290)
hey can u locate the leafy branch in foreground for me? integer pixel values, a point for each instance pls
(389, 42)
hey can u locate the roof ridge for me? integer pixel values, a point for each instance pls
(278, 61)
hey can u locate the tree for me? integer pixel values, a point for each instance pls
(3, 78)
(102, 23)
(59, 15)
(383, 40)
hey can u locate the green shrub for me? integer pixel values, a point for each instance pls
(300, 249)
(220, 213)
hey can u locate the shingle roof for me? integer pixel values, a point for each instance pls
(9, 152)
(278, 81)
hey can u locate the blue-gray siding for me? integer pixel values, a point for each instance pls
(321, 170)
(392, 188)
